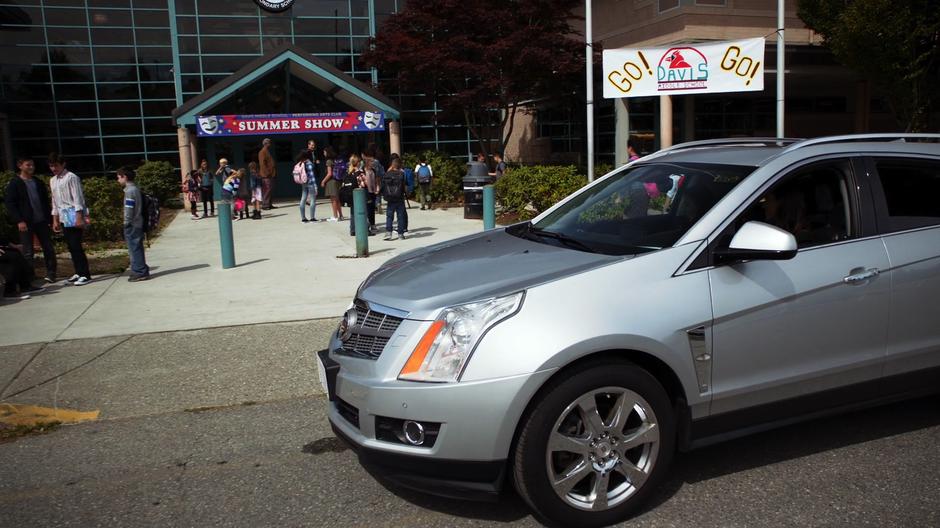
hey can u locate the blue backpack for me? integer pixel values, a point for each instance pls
(424, 173)
(409, 180)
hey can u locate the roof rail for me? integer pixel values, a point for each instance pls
(731, 141)
(851, 138)
(768, 141)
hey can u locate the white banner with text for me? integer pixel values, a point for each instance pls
(736, 66)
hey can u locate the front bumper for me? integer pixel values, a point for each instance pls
(457, 479)
(477, 423)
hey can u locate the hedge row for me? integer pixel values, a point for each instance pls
(105, 199)
(526, 191)
(448, 174)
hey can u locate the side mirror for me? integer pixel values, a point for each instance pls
(758, 241)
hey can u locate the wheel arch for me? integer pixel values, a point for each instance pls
(661, 371)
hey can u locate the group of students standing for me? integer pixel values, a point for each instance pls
(340, 176)
(315, 169)
(242, 187)
(39, 212)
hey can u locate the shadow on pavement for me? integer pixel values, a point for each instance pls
(250, 262)
(178, 270)
(420, 229)
(509, 508)
(796, 441)
(749, 452)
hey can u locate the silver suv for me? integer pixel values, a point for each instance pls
(708, 290)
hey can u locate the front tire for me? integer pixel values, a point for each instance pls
(595, 445)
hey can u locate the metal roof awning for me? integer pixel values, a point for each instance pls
(314, 71)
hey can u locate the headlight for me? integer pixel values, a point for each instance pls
(446, 346)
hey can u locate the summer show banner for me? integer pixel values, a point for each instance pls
(255, 125)
(736, 66)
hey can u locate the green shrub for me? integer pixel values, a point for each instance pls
(447, 185)
(103, 197)
(105, 200)
(158, 179)
(602, 169)
(527, 191)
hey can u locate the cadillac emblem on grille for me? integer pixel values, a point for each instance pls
(347, 324)
(365, 332)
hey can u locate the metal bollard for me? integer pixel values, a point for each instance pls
(489, 207)
(226, 240)
(362, 225)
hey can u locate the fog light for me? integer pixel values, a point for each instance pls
(414, 432)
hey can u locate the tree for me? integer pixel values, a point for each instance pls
(893, 43)
(481, 59)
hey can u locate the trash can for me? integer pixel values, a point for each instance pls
(477, 176)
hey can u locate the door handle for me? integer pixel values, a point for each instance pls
(859, 275)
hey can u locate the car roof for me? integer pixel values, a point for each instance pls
(757, 151)
(747, 155)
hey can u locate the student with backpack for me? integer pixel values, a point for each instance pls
(254, 182)
(192, 188)
(305, 176)
(352, 180)
(134, 228)
(424, 173)
(392, 188)
(206, 192)
(243, 195)
(335, 169)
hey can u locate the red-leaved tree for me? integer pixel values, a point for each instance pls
(481, 58)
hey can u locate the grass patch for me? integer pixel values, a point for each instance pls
(9, 433)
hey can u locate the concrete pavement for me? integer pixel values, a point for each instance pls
(227, 427)
(286, 271)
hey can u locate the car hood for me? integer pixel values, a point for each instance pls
(471, 268)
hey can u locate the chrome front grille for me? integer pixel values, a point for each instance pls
(371, 333)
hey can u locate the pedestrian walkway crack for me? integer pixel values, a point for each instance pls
(57, 376)
(23, 368)
(98, 298)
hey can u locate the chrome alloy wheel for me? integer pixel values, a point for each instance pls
(602, 448)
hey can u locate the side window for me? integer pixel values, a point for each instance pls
(812, 203)
(911, 190)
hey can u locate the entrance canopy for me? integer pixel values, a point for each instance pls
(286, 80)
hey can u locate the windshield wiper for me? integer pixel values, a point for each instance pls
(561, 237)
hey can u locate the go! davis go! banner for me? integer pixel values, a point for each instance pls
(735, 66)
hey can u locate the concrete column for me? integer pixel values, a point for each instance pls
(394, 137)
(665, 121)
(689, 109)
(193, 150)
(186, 165)
(621, 131)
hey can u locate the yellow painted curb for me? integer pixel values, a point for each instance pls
(16, 414)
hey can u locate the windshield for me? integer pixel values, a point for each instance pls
(644, 208)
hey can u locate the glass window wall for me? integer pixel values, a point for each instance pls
(104, 69)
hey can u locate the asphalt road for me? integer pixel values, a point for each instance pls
(241, 439)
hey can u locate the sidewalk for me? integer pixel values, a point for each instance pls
(286, 271)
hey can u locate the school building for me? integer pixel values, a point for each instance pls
(114, 82)
(822, 97)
